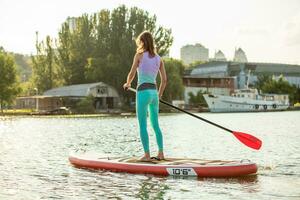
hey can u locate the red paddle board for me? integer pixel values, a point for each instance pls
(170, 166)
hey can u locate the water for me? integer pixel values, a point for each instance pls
(34, 157)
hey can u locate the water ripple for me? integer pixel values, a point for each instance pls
(34, 157)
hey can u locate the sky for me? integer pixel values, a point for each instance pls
(267, 30)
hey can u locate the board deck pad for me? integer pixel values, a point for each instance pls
(174, 161)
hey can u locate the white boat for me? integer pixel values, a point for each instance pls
(246, 100)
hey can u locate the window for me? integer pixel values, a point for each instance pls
(102, 90)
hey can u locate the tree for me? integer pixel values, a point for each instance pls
(86, 105)
(102, 45)
(75, 45)
(198, 99)
(261, 80)
(23, 66)
(44, 68)
(279, 86)
(9, 86)
(297, 95)
(97, 47)
(82, 47)
(63, 58)
(267, 84)
(174, 89)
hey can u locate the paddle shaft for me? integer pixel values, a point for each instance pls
(191, 114)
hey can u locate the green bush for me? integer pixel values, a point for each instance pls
(85, 105)
(197, 100)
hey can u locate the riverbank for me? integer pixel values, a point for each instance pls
(36, 114)
(29, 112)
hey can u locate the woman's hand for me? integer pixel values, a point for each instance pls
(126, 86)
(159, 95)
(132, 72)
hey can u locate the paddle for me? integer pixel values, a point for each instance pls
(245, 138)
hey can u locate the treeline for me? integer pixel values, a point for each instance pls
(101, 47)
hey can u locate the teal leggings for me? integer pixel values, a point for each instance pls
(148, 99)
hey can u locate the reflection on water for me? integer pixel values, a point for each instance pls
(150, 189)
(34, 157)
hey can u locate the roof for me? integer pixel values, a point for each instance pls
(191, 45)
(79, 90)
(206, 77)
(240, 50)
(34, 97)
(259, 67)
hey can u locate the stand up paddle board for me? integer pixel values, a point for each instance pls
(169, 166)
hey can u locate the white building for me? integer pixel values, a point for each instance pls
(219, 56)
(240, 56)
(106, 98)
(72, 23)
(192, 53)
(241, 71)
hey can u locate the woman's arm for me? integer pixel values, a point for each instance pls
(132, 71)
(163, 79)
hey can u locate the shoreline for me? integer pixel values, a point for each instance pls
(122, 114)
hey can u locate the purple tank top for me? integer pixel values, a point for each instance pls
(148, 68)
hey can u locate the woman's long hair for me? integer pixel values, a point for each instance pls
(145, 42)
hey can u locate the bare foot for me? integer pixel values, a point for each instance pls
(160, 155)
(146, 158)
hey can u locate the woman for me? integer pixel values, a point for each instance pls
(148, 64)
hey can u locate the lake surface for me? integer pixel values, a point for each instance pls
(34, 157)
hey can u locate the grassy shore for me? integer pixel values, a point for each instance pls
(17, 112)
(30, 112)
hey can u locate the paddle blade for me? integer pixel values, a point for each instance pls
(248, 140)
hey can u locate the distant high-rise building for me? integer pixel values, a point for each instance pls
(240, 56)
(72, 23)
(192, 53)
(219, 56)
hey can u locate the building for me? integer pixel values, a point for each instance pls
(72, 23)
(219, 56)
(105, 97)
(216, 85)
(193, 53)
(240, 56)
(221, 77)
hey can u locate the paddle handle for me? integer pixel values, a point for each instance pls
(191, 114)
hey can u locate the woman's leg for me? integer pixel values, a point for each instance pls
(154, 109)
(142, 101)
